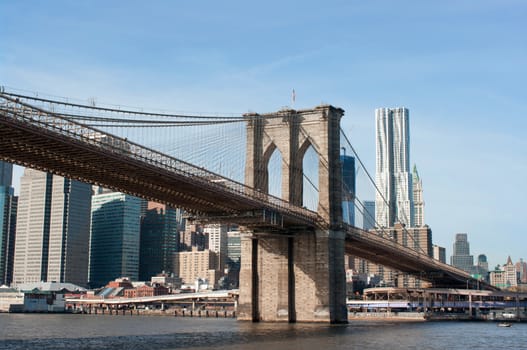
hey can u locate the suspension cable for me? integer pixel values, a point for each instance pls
(380, 194)
(114, 110)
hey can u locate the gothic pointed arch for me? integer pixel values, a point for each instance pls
(272, 159)
(310, 177)
(293, 132)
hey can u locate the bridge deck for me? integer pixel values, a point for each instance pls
(389, 253)
(41, 140)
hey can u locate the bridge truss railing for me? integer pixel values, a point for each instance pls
(380, 240)
(55, 123)
(405, 251)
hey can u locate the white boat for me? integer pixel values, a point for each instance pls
(504, 324)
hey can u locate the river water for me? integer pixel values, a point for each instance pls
(66, 331)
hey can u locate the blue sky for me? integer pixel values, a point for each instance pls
(458, 65)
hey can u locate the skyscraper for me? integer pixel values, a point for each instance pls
(439, 253)
(511, 274)
(10, 243)
(53, 228)
(461, 257)
(368, 215)
(234, 253)
(419, 204)
(348, 189)
(115, 236)
(234, 249)
(218, 242)
(521, 268)
(160, 227)
(7, 223)
(483, 266)
(393, 179)
(6, 174)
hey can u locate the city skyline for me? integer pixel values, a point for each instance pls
(458, 66)
(43, 194)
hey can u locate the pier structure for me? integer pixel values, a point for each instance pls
(439, 303)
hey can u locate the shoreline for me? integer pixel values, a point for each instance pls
(352, 317)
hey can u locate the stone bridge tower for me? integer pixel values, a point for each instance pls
(297, 274)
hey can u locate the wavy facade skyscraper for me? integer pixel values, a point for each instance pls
(394, 203)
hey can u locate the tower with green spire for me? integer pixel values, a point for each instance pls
(419, 204)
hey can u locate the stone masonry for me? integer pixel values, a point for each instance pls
(296, 275)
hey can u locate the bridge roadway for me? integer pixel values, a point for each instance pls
(389, 253)
(43, 140)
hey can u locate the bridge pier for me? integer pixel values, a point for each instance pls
(296, 273)
(293, 279)
(320, 278)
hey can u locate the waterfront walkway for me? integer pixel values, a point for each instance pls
(221, 303)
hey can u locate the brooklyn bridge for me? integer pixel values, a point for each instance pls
(292, 251)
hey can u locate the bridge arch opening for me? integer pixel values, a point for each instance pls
(273, 174)
(310, 176)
